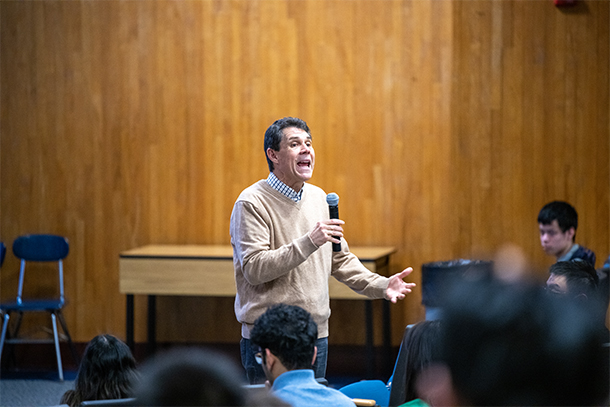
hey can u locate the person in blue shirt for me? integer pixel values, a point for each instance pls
(557, 223)
(284, 339)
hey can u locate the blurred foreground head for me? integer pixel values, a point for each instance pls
(510, 344)
(190, 377)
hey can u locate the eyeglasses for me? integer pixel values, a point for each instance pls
(554, 292)
(258, 356)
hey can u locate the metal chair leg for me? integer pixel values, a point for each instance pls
(4, 327)
(64, 326)
(56, 338)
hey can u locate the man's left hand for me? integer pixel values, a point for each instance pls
(397, 289)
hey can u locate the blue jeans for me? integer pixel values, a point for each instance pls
(255, 372)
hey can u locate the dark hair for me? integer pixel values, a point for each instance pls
(562, 212)
(514, 345)
(275, 133)
(190, 377)
(289, 332)
(420, 346)
(107, 371)
(581, 277)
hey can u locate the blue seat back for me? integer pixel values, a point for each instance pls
(41, 247)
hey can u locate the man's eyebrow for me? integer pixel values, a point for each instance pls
(297, 138)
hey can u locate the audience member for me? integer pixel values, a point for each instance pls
(420, 346)
(513, 345)
(107, 371)
(576, 279)
(190, 377)
(557, 222)
(285, 337)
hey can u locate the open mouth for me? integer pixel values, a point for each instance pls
(304, 164)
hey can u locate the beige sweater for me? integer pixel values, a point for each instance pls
(275, 261)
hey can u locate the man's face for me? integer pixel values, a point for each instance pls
(557, 285)
(554, 241)
(294, 163)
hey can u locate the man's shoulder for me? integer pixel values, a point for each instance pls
(301, 389)
(254, 191)
(585, 254)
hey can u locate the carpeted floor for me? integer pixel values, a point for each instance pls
(15, 392)
(33, 388)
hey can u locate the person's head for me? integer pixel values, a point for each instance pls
(190, 377)
(107, 371)
(420, 347)
(513, 345)
(289, 151)
(574, 279)
(285, 336)
(557, 223)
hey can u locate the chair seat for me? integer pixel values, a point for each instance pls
(33, 305)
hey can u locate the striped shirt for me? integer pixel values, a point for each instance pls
(284, 189)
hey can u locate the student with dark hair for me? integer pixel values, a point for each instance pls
(107, 371)
(510, 344)
(419, 348)
(557, 222)
(285, 337)
(190, 377)
(575, 278)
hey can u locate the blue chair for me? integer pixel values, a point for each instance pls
(368, 389)
(38, 248)
(375, 389)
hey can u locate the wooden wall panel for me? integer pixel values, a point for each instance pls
(443, 126)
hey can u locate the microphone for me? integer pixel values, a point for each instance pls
(332, 200)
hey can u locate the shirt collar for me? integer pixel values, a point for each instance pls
(284, 189)
(569, 254)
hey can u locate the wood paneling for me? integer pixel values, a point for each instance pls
(443, 126)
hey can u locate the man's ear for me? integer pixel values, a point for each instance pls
(571, 232)
(270, 359)
(272, 155)
(582, 297)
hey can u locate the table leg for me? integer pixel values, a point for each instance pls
(129, 323)
(387, 338)
(152, 325)
(370, 349)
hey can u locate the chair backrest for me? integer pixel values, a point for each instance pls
(41, 248)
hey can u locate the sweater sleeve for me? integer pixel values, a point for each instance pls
(348, 269)
(251, 238)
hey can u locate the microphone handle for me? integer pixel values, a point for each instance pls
(334, 214)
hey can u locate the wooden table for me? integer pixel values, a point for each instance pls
(197, 270)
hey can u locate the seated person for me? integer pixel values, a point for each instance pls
(510, 344)
(190, 377)
(420, 346)
(284, 337)
(557, 222)
(107, 371)
(578, 281)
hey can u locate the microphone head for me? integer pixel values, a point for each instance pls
(332, 199)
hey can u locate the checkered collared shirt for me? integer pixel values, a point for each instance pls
(284, 189)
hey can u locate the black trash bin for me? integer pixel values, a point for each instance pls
(437, 278)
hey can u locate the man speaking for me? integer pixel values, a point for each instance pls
(279, 230)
